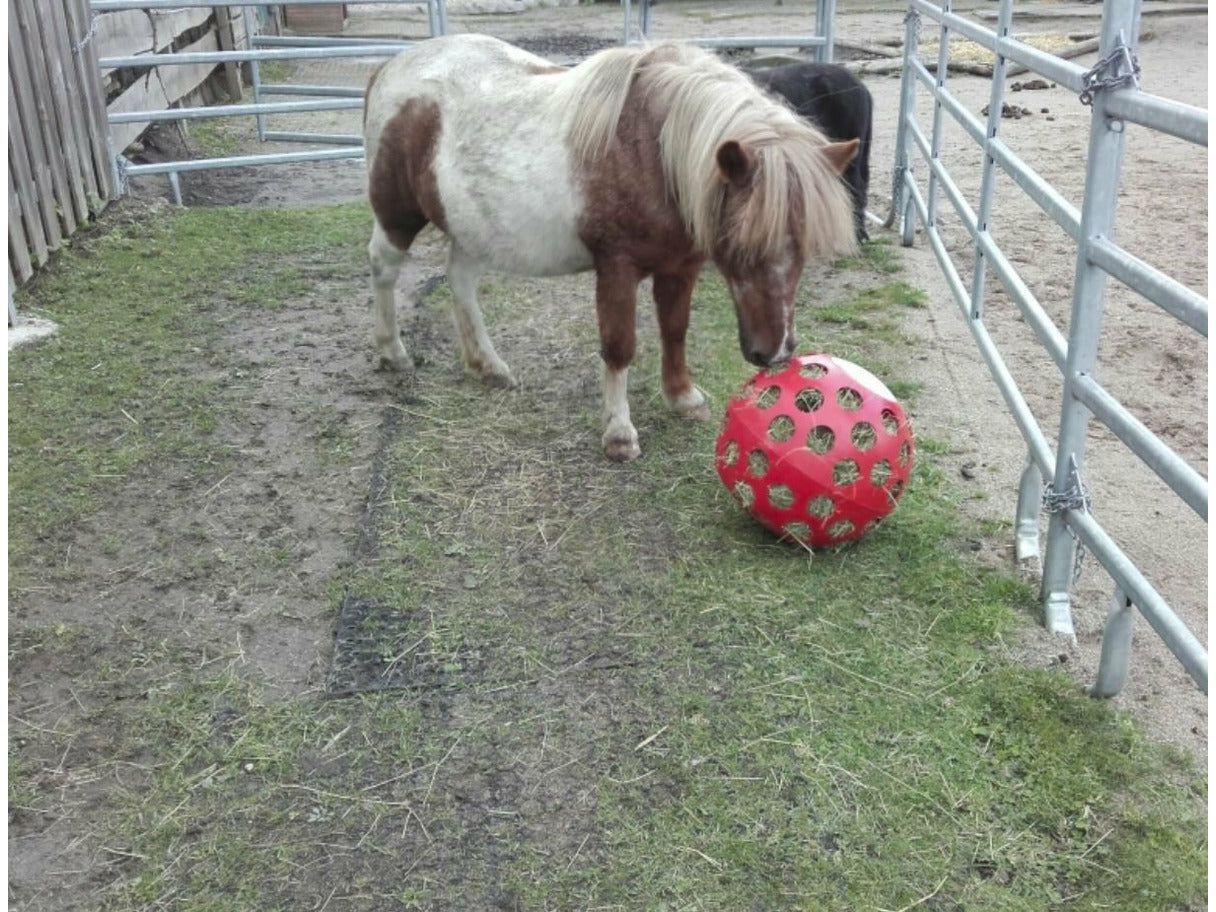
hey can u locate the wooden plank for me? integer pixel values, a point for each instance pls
(26, 196)
(127, 32)
(227, 40)
(159, 89)
(74, 102)
(91, 99)
(35, 70)
(23, 178)
(61, 110)
(20, 78)
(18, 246)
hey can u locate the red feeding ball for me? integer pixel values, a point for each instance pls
(818, 450)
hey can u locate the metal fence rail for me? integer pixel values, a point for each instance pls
(1112, 90)
(262, 48)
(822, 38)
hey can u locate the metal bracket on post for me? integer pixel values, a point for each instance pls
(1030, 498)
(1117, 69)
(1116, 647)
(1057, 603)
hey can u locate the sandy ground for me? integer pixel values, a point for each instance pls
(1154, 364)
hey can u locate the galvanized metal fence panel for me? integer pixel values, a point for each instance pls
(1112, 90)
(821, 38)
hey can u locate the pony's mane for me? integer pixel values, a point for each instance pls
(701, 103)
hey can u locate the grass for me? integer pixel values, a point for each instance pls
(648, 702)
(127, 382)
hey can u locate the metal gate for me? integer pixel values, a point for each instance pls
(262, 48)
(1112, 90)
(821, 37)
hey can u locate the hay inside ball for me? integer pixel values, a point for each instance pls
(818, 451)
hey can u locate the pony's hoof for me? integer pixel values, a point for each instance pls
(396, 364)
(692, 405)
(500, 379)
(622, 445)
(394, 358)
(622, 450)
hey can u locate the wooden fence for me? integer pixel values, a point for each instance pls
(60, 173)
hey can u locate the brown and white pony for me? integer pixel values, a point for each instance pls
(638, 162)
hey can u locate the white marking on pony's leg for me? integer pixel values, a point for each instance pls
(692, 404)
(475, 345)
(620, 436)
(386, 263)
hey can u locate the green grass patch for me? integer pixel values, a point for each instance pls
(877, 256)
(213, 138)
(648, 701)
(129, 378)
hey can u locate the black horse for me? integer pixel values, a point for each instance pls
(839, 104)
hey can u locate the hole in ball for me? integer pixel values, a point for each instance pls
(768, 397)
(798, 530)
(897, 490)
(730, 454)
(864, 436)
(890, 423)
(757, 463)
(781, 496)
(905, 454)
(845, 472)
(813, 371)
(808, 400)
(782, 428)
(746, 495)
(848, 399)
(820, 439)
(840, 528)
(880, 473)
(821, 507)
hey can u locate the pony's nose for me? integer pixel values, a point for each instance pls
(758, 358)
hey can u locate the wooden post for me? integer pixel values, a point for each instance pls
(227, 38)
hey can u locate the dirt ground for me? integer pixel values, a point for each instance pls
(312, 403)
(1155, 365)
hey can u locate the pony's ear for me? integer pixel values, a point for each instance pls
(841, 153)
(736, 163)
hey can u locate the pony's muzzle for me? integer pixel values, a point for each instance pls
(766, 358)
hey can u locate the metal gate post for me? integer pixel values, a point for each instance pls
(988, 177)
(943, 60)
(628, 9)
(644, 14)
(441, 17)
(826, 31)
(255, 77)
(1120, 21)
(901, 202)
(1116, 647)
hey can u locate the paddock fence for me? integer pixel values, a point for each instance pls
(68, 122)
(1112, 90)
(59, 163)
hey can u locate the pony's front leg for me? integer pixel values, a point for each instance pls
(386, 262)
(673, 303)
(616, 295)
(475, 346)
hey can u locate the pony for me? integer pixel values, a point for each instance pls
(837, 102)
(638, 162)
